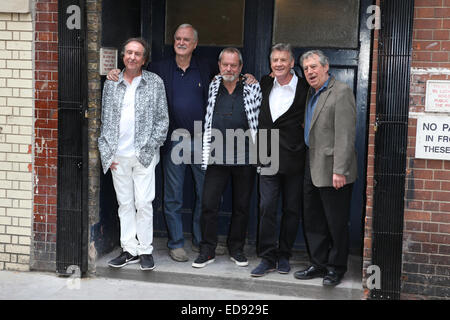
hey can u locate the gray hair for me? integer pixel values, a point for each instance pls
(232, 50)
(282, 47)
(187, 25)
(322, 57)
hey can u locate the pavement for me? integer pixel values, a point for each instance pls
(48, 286)
(170, 280)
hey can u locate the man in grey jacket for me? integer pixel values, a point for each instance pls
(134, 126)
(330, 170)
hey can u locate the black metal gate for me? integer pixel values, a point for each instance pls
(394, 55)
(72, 228)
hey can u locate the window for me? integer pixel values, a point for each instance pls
(219, 22)
(317, 23)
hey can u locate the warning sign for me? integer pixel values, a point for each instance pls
(437, 97)
(433, 137)
(108, 60)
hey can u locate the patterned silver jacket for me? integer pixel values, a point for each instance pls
(151, 118)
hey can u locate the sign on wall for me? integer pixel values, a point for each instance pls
(433, 137)
(16, 6)
(437, 97)
(108, 60)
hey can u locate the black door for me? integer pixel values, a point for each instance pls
(337, 28)
(72, 223)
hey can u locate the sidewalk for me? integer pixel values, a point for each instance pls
(47, 286)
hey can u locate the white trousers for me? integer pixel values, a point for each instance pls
(135, 190)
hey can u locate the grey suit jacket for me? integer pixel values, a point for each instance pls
(332, 135)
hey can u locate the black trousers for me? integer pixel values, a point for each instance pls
(216, 179)
(325, 221)
(271, 245)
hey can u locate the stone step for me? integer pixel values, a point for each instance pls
(225, 274)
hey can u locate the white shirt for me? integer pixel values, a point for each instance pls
(281, 97)
(127, 121)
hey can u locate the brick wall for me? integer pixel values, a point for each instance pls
(46, 134)
(426, 244)
(16, 140)
(426, 248)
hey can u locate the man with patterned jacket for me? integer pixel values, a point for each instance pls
(134, 126)
(232, 112)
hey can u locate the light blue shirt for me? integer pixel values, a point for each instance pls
(310, 109)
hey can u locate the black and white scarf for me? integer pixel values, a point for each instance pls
(252, 100)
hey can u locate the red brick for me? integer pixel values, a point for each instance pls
(424, 12)
(43, 161)
(413, 226)
(417, 215)
(431, 206)
(430, 248)
(444, 228)
(440, 238)
(415, 257)
(434, 164)
(46, 7)
(427, 24)
(445, 45)
(430, 227)
(421, 56)
(442, 12)
(441, 35)
(423, 174)
(442, 175)
(46, 26)
(432, 185)
(444, 207)
(419, 163)
(427, 3)
(423, 195)
(414, 205)
(441, 196)
(46, 66)
(440, 217)
(46, 46)
(439, 56)
(445, 185)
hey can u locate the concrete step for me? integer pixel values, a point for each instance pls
(225, 274)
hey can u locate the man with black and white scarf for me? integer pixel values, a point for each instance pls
(232, 111)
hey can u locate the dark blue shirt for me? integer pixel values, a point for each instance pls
(188, 100)
(310, 108)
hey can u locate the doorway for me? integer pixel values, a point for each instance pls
(254, 26)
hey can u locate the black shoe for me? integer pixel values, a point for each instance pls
(122, 260)
(263, 268)
(310, 273)
(332, 279)
(240, 259)
(202, 260)
(147, 262)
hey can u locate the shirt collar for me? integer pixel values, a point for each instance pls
(292, 83)
(192, 64)
(122, 79)
(324, 86)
